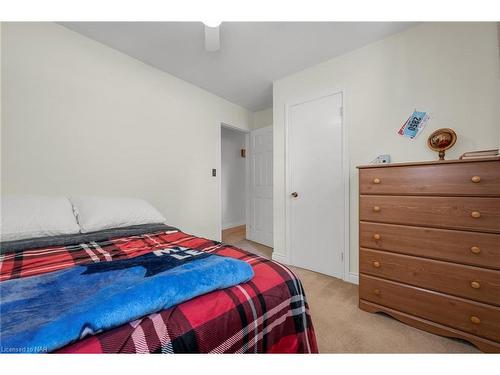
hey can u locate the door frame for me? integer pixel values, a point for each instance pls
(246, 132)
(249, 179)
(345, 175)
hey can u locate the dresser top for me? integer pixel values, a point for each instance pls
(433, 162)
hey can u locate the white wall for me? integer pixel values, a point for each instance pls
(233, 177)
(80, 117)
(448, 69)
(262, 118)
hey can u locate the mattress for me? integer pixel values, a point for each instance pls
(268, 314)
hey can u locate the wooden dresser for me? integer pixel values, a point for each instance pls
(429, 236)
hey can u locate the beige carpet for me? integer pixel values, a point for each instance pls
(343, 328)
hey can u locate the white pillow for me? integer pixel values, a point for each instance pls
(98, 213)
(32, 216)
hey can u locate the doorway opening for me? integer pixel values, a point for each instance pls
(246, 189)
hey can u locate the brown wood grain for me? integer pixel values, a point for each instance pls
(485, 345)
(443, 244)
(450, 278)
(447, 310)
(430, 246)
(440, 212)
(436, 179)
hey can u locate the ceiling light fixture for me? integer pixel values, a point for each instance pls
(212, 36)
(212, 23)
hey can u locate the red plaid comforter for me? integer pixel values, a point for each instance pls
(269, 314)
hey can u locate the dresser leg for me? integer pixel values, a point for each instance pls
(482, 344)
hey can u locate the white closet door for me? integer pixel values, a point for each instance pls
(261, 186)
(316, 188)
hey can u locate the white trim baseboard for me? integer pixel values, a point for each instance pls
(353, 278)
(232, 225)
(279, 258)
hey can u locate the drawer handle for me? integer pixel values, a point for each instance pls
(376, 236)
(475, 250)
(376, 180)
(475, 214)
(475, 179)
(376, 208)
(475, 285)
(475, 319)
(376, 264)
(376, 291)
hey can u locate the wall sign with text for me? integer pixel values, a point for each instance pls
(414, 125)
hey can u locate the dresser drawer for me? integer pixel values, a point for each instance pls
(474, 178)
(475, 283)
(469, 213)
(469, 316)
(474, 248)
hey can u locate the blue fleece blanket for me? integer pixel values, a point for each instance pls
(43, 313)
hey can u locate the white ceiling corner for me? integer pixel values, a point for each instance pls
(251, 56)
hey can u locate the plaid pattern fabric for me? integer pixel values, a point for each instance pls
(269, 314)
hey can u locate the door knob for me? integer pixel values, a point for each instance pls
(295, 194)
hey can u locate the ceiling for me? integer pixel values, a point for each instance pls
(252, 54)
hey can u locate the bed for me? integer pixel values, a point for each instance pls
(268, 314)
